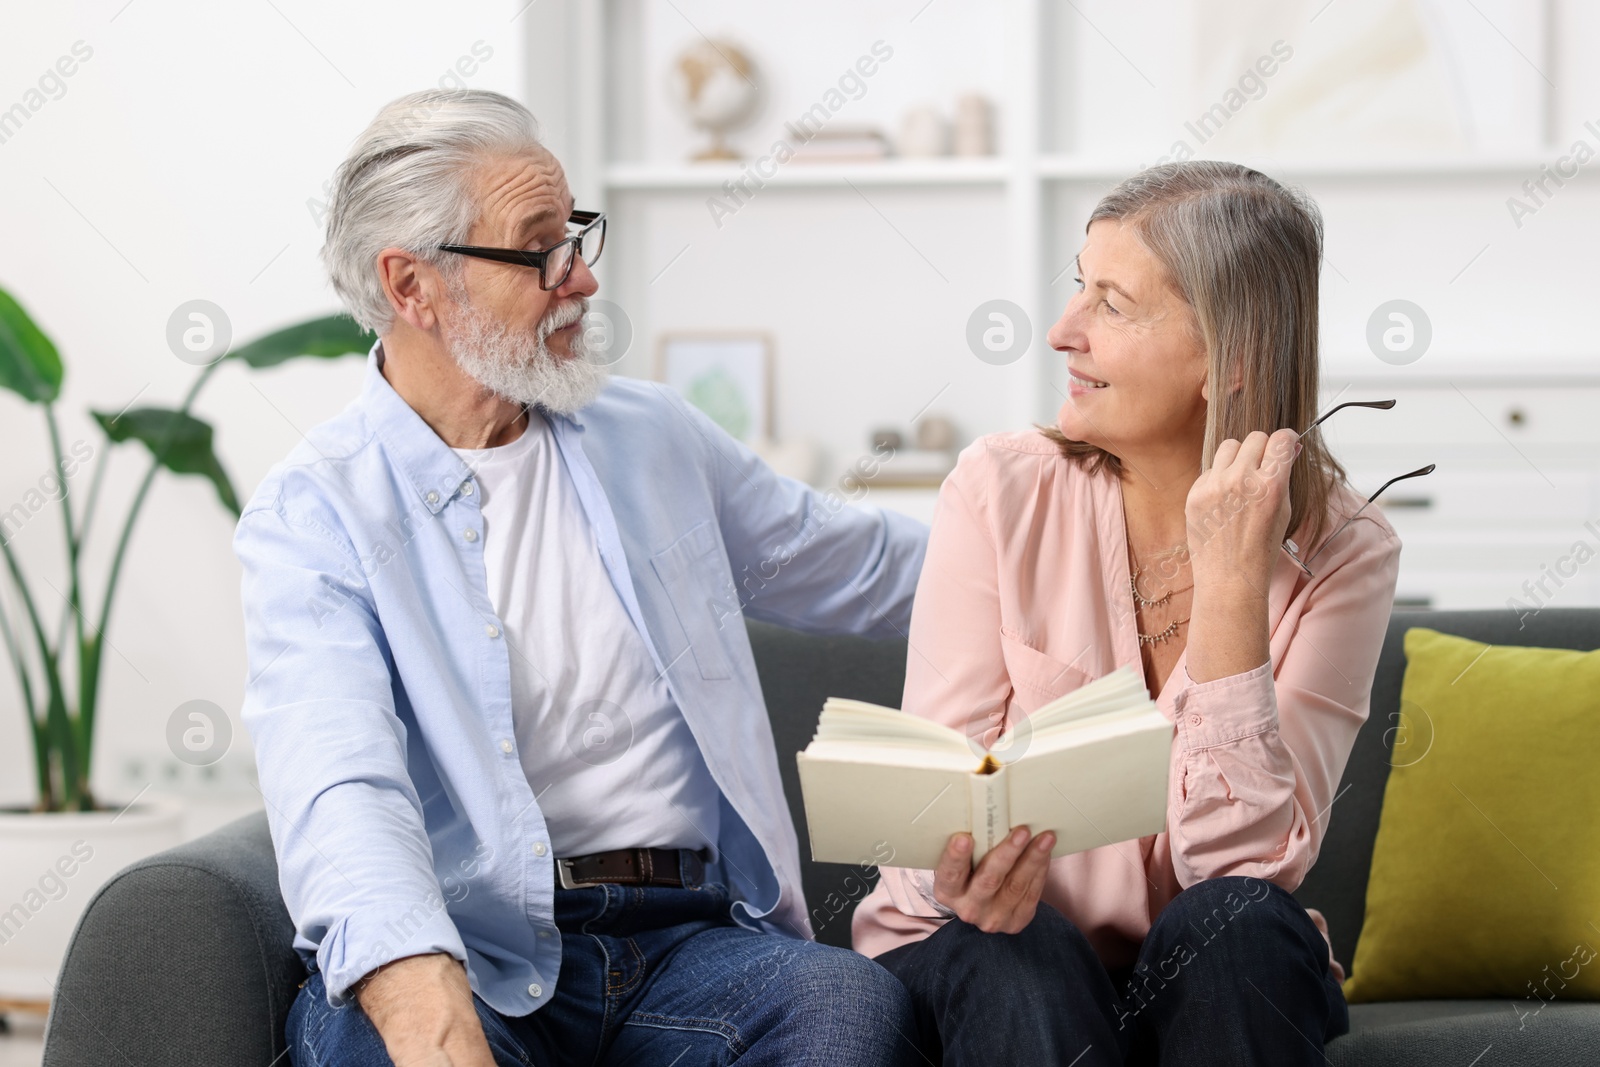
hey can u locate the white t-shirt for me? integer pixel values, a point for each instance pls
(611, 761)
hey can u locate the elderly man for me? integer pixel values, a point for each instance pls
(517, 767)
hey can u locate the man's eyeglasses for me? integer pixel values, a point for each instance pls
(554, 264)
(1293, 549)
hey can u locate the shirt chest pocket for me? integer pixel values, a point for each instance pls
(1038, 677)
(694, 572)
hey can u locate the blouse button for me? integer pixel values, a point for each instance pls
(433, 497)
(470, 535)
(1194, 720)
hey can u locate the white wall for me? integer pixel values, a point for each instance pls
(177, 165)
(180, 159)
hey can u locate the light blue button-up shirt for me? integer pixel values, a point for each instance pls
(379, 689)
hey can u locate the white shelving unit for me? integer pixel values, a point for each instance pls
(1031, 199)
(710, 177)
(1070, 167)
(997, 170)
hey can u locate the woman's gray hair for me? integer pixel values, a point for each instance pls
(405, 184)
(1244, 252)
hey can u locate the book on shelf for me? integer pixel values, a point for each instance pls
(1092, 766)
(914, 467)
(840, 145)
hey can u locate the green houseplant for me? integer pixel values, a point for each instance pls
(61, 717)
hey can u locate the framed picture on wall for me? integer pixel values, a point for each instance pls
(726, 375)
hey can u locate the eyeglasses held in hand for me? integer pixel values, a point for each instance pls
(1293, 549)
(554, 264)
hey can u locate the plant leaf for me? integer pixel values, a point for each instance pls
(330, 337)
(180, 442)
(30, 366)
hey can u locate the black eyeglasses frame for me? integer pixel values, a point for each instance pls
(522, 257)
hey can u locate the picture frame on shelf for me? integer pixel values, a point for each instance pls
(727, 375)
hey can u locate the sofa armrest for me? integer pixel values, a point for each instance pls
(185, 957)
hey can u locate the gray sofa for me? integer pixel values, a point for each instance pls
(185, 958)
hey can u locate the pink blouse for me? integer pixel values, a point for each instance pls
(1024, 597)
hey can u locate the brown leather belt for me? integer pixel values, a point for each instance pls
(680, 868)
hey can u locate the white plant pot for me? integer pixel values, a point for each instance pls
(53, 864)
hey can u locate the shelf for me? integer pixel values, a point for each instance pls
(794, 174)
(997, 170)
(1073, 167)
(1441, 368)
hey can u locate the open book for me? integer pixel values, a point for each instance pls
(1091, 765)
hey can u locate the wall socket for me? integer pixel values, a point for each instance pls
(160, 770)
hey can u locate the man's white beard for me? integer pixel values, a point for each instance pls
(520, 366)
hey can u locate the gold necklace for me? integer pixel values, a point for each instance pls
(1165, 632)
(1145, 602)
(1133, 587)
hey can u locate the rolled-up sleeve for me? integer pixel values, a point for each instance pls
(1259, 754)
(354, 861)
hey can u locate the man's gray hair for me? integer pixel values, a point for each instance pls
(406, 184)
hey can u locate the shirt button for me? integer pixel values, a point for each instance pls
(544, 933)
(1194, 720)
(538, 848)
(505, 745)
(536, 990)
(433, 497)
(466, 488)
(470, 535)
(491, 629)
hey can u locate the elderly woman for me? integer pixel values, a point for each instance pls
(1148, 527)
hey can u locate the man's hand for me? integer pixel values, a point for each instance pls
(422, 1008)
(1002, 893)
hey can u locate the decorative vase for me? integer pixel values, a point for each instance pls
(54, 863)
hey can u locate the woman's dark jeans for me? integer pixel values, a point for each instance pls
(1232, 972)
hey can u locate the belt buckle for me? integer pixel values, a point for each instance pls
(564, 875)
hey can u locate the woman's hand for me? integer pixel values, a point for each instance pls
(1237, 512)
(1237, 515)
(1002, 893)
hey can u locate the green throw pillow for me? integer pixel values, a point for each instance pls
(1486, 869)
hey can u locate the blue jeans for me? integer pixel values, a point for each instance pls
(1233, 972)
(662, 976)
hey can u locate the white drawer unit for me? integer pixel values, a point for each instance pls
(1510, 517)
(1455, 497)
(1466, 412)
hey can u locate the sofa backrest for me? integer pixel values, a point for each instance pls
(798, 672)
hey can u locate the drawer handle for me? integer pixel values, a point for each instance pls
(1418, 503)
(1424, 602)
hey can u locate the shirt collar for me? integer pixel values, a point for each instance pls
(432, 467)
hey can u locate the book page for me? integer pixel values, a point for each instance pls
(1098, 793)
(856, 810)
(855, 720)
(1123, 688)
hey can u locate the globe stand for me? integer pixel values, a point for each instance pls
(717, 151)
